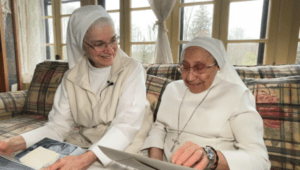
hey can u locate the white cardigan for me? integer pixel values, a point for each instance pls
(121, 123)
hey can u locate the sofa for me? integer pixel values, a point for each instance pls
(276, 90)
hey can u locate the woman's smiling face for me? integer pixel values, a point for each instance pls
(201, 79)
(97, 36)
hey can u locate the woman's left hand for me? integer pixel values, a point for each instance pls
(191, 155)
(80, 162)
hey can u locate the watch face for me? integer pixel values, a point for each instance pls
(210, 154)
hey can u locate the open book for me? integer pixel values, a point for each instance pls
(39, 155)
(139, 162)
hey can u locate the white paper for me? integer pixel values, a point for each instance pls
(139, 162)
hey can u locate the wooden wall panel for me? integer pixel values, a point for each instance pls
(4, 86)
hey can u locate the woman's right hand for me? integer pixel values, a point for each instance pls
(5, 148)
(8, 146)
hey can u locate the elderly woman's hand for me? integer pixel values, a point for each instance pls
(5, 148)
(8, 146)
(79, 162)
(190, 154)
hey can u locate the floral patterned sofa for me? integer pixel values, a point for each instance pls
(276, 89)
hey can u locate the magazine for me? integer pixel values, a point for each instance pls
(39, 155)
(140, 162)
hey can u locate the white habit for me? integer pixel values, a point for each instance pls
(226, 120)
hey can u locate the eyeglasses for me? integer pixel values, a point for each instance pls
(198, 69)
(99, 46)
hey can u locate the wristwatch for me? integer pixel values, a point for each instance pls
(211, 156)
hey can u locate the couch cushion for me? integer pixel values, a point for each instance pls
(155, 87)
(268, 71)
(47, 76)
(169, 71)
(20, 124)
(278, 102)
(11, 103)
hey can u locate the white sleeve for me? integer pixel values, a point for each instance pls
(60, 122)
(247, 127)
(129, 116)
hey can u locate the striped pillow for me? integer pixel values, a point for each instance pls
(47, 76)
(268, 71)
(278, 102)
(169, 71)
(155, 87)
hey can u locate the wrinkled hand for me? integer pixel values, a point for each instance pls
(80, 162)
(190, 154)
(5, 148)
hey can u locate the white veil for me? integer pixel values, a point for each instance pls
(217, 50)
(79, 22)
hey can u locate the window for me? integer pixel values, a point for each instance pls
(58, 12)
(196, 19)
(250, 36)
(138, 38)
(247, 32)
(143, 35)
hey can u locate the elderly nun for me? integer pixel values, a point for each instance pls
(208, 119)
(103, 94)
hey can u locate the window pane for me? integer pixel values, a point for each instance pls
(112, 4)
(49, 31)
(189, 1)
(50, 52)
(242, 53)
(143, 53)
(180, 50)
(67, 6)
(48, 7)
(298, 54)
(197, 21)
(139, 3)
(116, 19)
(64, 57)
(141, 26)
(245, 20)
(64, 29)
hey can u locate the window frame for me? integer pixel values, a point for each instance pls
(277, 48)
(57, 29)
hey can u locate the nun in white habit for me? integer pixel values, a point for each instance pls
(103, 94)
(208, 119)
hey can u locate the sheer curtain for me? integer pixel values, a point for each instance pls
(162, 10)
(32, 34)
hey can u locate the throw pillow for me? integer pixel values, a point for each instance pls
(47, 76)
(155, 87)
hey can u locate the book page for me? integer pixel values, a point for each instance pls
(39, 157)
(138, 161)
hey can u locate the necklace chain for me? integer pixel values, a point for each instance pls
(179, 133)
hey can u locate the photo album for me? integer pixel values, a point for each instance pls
(39, 155)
